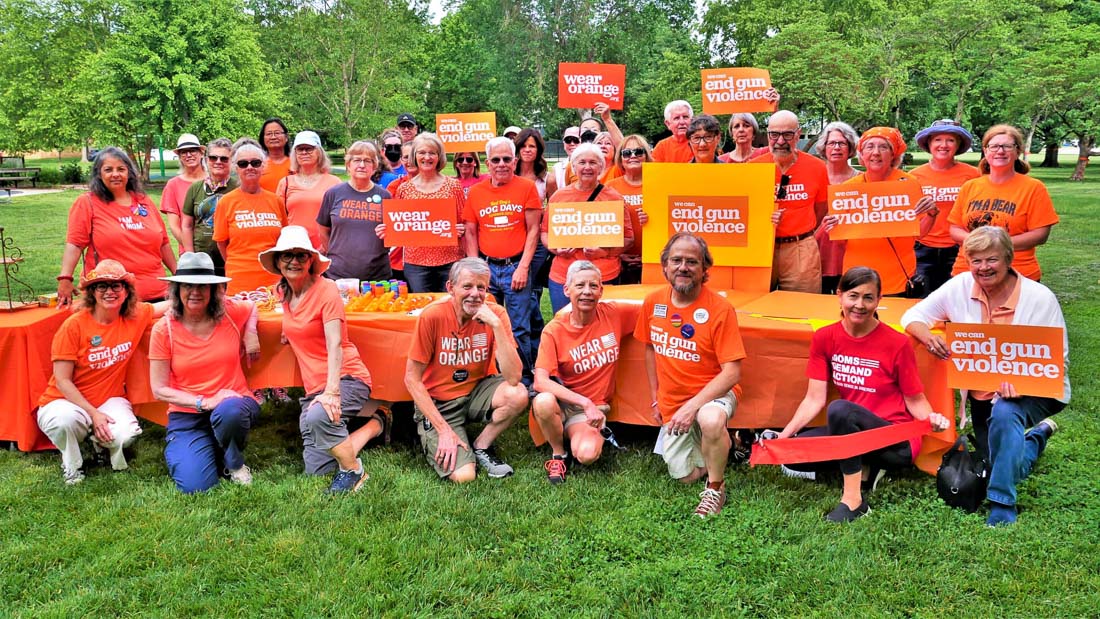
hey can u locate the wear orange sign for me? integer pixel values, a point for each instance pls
(736, 90)
(585, 224)
(875, 210)
(984, 355)
(466, 132)
(583, 84)
(420, 223)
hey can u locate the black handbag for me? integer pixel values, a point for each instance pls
(916, 287)
(962, 477)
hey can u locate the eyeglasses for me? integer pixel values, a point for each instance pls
(188, 151)
(244, 163)
(786, 135)
(702, 139)
(836, 144)
(875, 147)
(628, 153)
(358, 161)
(571, 140)
(781, 193)
(217, 158)
(464, 160)
(1001, 148)
(274, 134)
(499, 160)
(104, 287)
(299, 257)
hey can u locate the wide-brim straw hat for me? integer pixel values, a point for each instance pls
(290, 238)
(107, 271)
(196, 268)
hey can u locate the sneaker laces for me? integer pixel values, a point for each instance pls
(555, 467)
(710, 501)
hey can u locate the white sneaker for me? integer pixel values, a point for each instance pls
(72, 477)
(242, 476)
(810, 475)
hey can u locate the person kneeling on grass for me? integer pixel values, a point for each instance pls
(693, 358)
(90, 353)
(195, 355)
(579, 347)
(876, 377)
(452, 380)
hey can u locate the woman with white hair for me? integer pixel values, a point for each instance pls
(743, 131)
(835, 146)
(247, 222)
(311, 176)
(588, 163)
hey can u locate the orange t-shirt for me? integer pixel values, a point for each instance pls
(250, 223)
(690, 343)
(673, 150)
(1019, 205)
(943, 186)
(879, 253)
(304, 327)
(133, 235)
(633, 197)
(583, 357)
(434, 256)
(457, 357)
(500, 214)
(302, 204)
(273, 173)
(100, 353)
(203, 366)
(809, 185)
(609, 266)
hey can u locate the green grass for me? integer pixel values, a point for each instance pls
(614, 540)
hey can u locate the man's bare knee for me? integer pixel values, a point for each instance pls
(464, 474)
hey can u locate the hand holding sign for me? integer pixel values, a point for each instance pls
(1009, 359)
(585, 224)
(419, 223)
(737, 90)
(873, 210)
(587, 84)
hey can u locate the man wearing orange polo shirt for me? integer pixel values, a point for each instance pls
(452, 376)
(801, 201)
(502, 227)
(675, 148)
(693, 358)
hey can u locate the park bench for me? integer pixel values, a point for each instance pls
(11, 177)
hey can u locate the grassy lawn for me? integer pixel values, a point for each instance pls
(616, 539)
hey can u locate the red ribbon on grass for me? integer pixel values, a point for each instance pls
(825, 448)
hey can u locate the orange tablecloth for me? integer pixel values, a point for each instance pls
(25, 339)
(776, 328)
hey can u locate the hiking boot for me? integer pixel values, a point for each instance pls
(242, 476)
(842, 513)
(555, 469)
(489, 460)
(348, 481)
(710, 502)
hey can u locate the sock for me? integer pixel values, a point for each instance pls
(1001, 514)
(559, 456)
(716, 485)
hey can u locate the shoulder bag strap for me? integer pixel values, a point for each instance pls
(595, 192)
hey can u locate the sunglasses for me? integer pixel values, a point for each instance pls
(783, 182)
(497, 160)
(218, 158)
(627, 153)
(464, 160)
(104, 287)
(244, 163)
(299, 257)
(571, 140)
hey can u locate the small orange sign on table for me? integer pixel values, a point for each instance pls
(462, 133)
(582, 84)
(736, 90)
(875, 210)
(983, 356)
(585, 224)
(420, 223)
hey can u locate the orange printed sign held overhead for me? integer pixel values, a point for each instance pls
(984, 356)
(586, 84)
(466, 132)
(875, 210)
(585, 224)
(722, 221)
(420, 223)
(736, 90)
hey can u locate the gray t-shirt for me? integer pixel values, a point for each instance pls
(351, 216)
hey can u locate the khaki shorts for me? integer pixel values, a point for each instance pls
(797, 266)
(574, 414)
(682, 452)
(477, 407)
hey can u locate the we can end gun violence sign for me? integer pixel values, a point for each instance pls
(737, 90)
(585, 224)
(875, 210)
(983, 356)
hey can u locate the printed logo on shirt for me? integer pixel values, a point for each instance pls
(455, 351)
(128, 223)
(363, 210)
(594, 353)
(852, 372)
(942, 195)
(481, 339)
(499, 210)
(101, 357)
(252, 219)
(795, 192)
(990, 212)
(660, 310)
(673, 347)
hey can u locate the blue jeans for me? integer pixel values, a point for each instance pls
(518, 305)
(427, 279)
(1012, 452)
(935, 264)
(200, 445)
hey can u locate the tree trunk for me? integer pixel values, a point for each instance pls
(1084, 146)
(1030, 136)
(1050, 159)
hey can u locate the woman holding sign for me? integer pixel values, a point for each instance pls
(993, 292)
(835, 147)
(629, 158)
(588, 161)
(875, 373)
